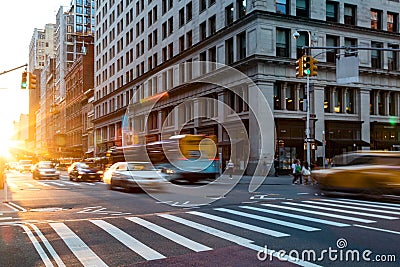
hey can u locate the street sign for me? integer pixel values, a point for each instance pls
(347, 69)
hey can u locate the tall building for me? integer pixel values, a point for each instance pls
(137, 41)
(41, 46)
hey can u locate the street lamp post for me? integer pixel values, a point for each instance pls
(295, 36)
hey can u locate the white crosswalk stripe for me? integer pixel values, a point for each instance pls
(321, 213)
(84, 254)
(130, 242)
(170, 235)
(349, 202)
(301, 217)
(342, 211)
(240, 224)
(352, 207)
(270, 220)
(371, 202)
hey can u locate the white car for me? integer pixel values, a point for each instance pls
(134, 175)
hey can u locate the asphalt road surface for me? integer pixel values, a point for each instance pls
(64, 223)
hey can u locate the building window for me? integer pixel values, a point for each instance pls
(202, 5)
(349, 98)
(301, 41)
(189, 11)
(302, 8)
(392, 103)
(229, 57)
(212, 57)
(203, 31)
(381, 102)
(350, 42)
(337, 100)
(170, 26)
(181, 43)
(229, 15)
(203, 57)
(392, 22)
(181, 17)
(302, 97)
(350, 14)
(376, 19)
(327, 100)
(376, 55)
(189, 39)
(331, 54)
(282, 7)
(332, 11)
(212, 25)
(290, 97)
(241, 8)
(241, 45)
(282, 42)
(393, 58)
(277, 96)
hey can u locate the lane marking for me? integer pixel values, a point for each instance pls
(247, 243)
(53, 253)
(17, 207)
(342, 211)
(371, 202)
(37, 246)
(321, 213)
(42, 184)
(360, 204)
(55, 183)
(306, 218)
(352, 207)
(84, 254)
(186, 242)
(5, 218)
(28, 185)
(270, 220)
(240, 224)
(377, 229)
(130, 242)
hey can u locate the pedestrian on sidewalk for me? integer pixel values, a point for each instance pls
(276, 166)
(295, 170)
(306, 173)
(230, 167)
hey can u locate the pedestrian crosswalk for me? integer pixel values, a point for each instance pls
(248, 226)
(48, 184)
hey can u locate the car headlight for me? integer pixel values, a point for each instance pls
(81, 173)
(100, 172)
(42, 173)
(168, 171)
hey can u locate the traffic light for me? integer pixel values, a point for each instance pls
(24, 81)
(307, 65)
(313, 67)
(32, 81)
(299, 67)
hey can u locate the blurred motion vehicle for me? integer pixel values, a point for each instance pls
(134, 175)
(45, 170)
(189, 157)
(362, 172)
(84, 171)
(24, 165)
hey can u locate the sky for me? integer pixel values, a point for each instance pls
(17, 22)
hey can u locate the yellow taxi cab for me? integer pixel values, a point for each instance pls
(365, 172)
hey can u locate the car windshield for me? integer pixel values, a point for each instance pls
(45, 166)
(140, 166)
(86, 165)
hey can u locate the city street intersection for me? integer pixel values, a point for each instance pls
(63, 223)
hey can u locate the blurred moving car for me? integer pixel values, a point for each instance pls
(12, 166)
(83, 171)
(134, 175)
(362, 172)
(24, 165)
(45, 170)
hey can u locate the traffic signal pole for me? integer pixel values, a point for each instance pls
(7, 71)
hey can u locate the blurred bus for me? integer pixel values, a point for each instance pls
(188, 157)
